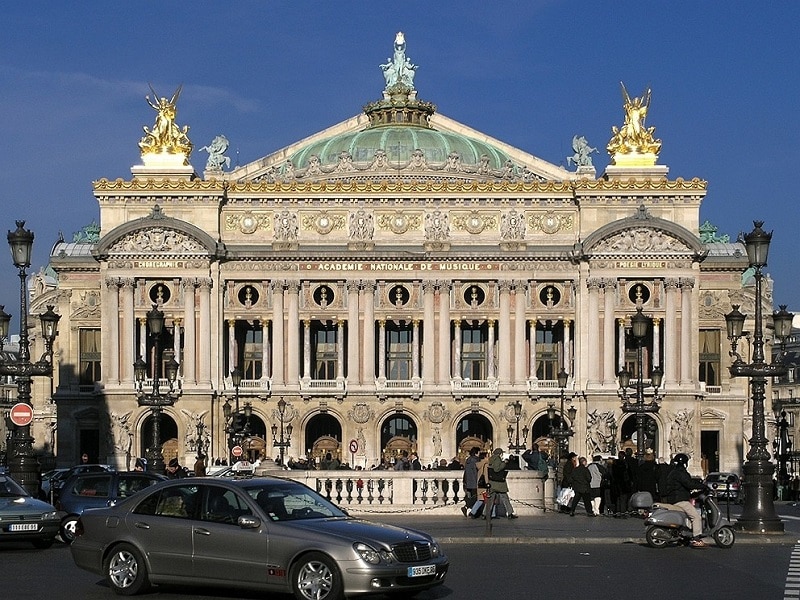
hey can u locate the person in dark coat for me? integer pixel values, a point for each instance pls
(647, 475)
(581, 483)
(174, 469)
(498, 470)
(679, 492)
(621, 480)
(470, 480)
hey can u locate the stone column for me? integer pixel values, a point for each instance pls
(368, 359)
(490, 371)
(189, 332)
(232, 361)
(127, 338)
(519, 332)
(353, 342)
(293, 335)
(382, 350)
(415, 349)
(656, 341)
(593, 286)
(687, 283)
(278, 335)
(340, 349)
(567, 346)
(457, 350)
(176, 338)
(204, 345)
(444, 362)
(266, 358)
(620, 344)
(532, 365)
(670, 333)
(609, 321)
(306, 374)
(142, 349)
(111, 349)
(429, 329)
(504, 334)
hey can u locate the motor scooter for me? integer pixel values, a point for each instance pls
(668, 525)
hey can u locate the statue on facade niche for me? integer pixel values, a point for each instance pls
(582, 149)
(120, 437)
(398, 68)
(681, 434)
(437, 442)
(165, 136)
(216, 149)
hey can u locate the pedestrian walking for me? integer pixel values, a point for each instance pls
(597, 470)
(483, 486)
(498, 471)
(470, 480)
(581, 483)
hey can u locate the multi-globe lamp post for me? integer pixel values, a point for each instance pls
(758, 514)
(561, 432)
(238, 422)
(637, 404)
(156, 400)
(281, 437)
(22, 463)
(515, 443)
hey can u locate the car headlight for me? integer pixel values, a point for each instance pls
(50, 516)
(435, 552)
(368, 553)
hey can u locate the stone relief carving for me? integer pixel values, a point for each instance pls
(550, 222)
(598, 431)
(120, 437)
(474, 222)
(361, 413)
(436, 226)
(681, 432)
(285, 226)
(512, 226)
(156, 239)
(399, 222)
(323, 222)
(641, 239)
(247, 222)
(362, 227)
(436, 413)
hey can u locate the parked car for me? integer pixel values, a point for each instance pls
(264, 533)
(25, 518)
(724, 485)
(96, 490)
(47, 481)
(58, 480)
(240, 468)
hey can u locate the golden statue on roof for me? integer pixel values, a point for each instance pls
(165, 137)
(633, 143)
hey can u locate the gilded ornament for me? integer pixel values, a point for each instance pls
(166, 137)
(399, 222)
(633, 143)
(474, 222)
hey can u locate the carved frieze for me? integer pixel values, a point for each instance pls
(248, 222)
(399, 222)
(156, 240)
(641, 239)
(323, 222)
(551, 222)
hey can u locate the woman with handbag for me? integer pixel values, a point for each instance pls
(497, 471)
(483, 486)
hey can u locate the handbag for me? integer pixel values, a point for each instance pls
(565, 496)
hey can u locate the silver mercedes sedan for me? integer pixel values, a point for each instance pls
(269, 534)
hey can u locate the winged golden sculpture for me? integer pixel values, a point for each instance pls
(165, 137)
(634, 138)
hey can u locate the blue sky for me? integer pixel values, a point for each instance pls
(725, 79)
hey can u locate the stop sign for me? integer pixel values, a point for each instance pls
(21, 414)
(236, 450)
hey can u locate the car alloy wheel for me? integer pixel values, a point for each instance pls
(316, 577)
(68, 529)
(125, 571)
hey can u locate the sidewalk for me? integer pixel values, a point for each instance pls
(550, 528)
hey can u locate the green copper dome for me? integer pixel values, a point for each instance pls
(399, 143)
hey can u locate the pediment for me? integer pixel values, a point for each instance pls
(640, 240)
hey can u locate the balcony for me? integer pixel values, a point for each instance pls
(400, 387)
(474, 387)
(252, 386)
(323, 387)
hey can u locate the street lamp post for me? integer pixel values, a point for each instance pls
(758, 514)
(561, 432)
(514, 443)
(782, 447)
(23, 464)
(156, 400)
(284, 441)
(637, 405)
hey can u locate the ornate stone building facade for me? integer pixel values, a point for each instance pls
(400, 281)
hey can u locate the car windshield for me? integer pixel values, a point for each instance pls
(290, 501)
(10, 488)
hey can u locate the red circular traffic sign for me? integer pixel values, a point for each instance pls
(237, 451)
(353, 446)
(21, 414)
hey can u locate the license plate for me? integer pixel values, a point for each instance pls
(422, 571)
(23, 527)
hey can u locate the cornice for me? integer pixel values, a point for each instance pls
(145, 185)
(661, 184)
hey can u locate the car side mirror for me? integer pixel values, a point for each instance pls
(249, 522)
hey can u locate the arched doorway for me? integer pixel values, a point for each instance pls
(627, 438)
(323, 434)
(474, 430)
(540, 435)
(168, 438)
(398, 434)
(254, 439)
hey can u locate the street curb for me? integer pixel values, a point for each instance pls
(533, 541)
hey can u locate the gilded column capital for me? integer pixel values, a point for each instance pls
(686, 282)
